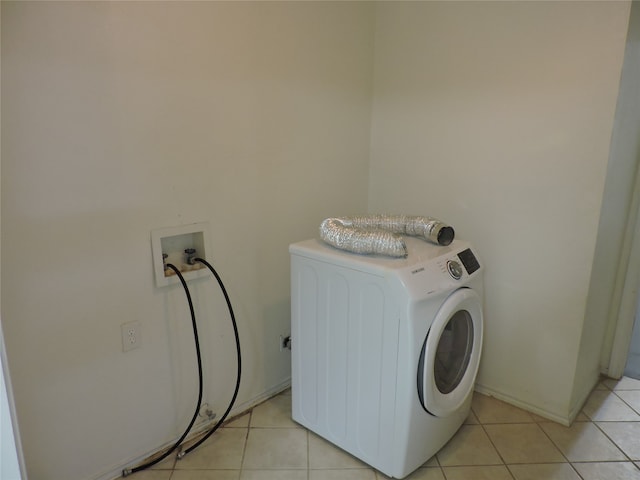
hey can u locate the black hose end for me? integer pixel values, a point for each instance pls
(126, 472)
(445, 236)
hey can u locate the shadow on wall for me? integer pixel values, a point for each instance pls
(277, 324)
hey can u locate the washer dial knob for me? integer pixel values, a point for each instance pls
(455, 269)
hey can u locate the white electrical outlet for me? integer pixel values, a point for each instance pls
(130, 335)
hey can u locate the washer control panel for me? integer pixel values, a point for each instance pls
(432, 270)
(455, 269)
(456, 266)
(469, 261)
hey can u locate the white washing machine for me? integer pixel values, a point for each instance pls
(385, 351)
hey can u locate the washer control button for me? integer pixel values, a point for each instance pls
(455, 269)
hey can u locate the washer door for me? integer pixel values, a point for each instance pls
(451, 354)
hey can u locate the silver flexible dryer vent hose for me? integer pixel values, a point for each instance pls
(380, 234)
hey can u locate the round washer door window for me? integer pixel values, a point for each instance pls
(451, 354)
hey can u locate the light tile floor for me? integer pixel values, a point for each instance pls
(498, 442)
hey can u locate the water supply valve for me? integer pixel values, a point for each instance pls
(178, 246)
(191, 256)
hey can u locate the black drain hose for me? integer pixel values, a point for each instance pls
(195, 414)
(239, 356)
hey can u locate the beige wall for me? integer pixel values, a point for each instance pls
(497, 118)
(119, 118)
(261, 119)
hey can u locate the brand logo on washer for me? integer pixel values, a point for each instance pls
(417, 270)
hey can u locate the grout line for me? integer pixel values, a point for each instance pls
(491, 442)
(554, 444)
(246, 441)
(613, 441)
(625, 402)
(575, 470)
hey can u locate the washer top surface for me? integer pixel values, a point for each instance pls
(420, 252)
(427, 269)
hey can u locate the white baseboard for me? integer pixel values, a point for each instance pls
(241, 408)
(561, 419)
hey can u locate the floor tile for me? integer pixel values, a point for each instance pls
(151, 475)
(420, 474)
(606, 406)
(429, 470)
(343, 474)
(523, 443)
(274, 413)
(546, 471)
(471, 419)
(323, 454)
(265, 444)
(581, 417)
(167, 464)
(626, 435)
(206, 475)
(276, 448)
(273, 475)
(432, 462)
(492, 410)
(538, 418)
(582, 442)
(469, 446)
(625, 383)
(608, 471)
(631, 398)
(223, 450)
(241, 421)
(492, 472)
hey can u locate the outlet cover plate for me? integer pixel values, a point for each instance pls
(131, 338)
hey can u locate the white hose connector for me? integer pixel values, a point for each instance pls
(380, 234)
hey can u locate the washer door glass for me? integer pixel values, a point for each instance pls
(451, 354)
